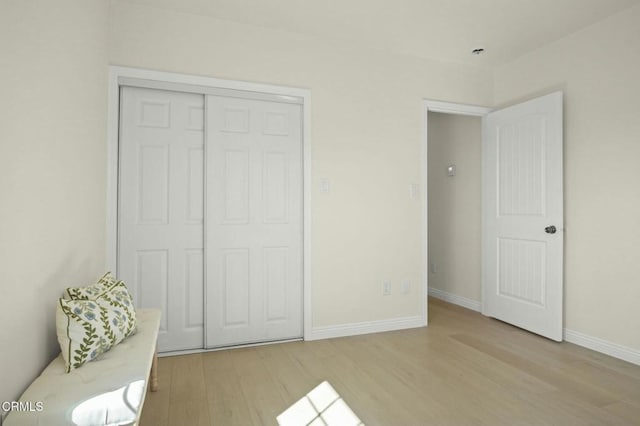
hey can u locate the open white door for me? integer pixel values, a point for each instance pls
(522, 274)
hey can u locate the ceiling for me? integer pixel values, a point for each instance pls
(445, 30)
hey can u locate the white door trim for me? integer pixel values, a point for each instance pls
(447, 108)
(118, 74)
(453, 108)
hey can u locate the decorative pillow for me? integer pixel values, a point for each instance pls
(109, 289)
(119, 298)
(91, 292)
(87, 328)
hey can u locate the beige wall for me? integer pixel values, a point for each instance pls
(598, 69)
(454, 204)
(366, 136)
(52, 171)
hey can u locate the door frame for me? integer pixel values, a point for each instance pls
(456, 109)
(173, 81)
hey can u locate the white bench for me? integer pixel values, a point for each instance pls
(107, 391)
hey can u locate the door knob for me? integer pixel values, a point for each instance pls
(550, 229)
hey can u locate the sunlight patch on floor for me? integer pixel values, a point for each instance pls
(322, 406)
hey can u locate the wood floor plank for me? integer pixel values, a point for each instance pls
(187, 379)
(258, 387)
(367, 394)
(192, 413)
(292, 380)
(565, 408)
(627, 411)
(156, 404)
(586, 391)
(463, 369)
(226, 402)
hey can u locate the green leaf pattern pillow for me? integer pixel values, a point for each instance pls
(106, 282)
(89, 327)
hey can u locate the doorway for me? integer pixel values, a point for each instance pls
(521, 212)
(454, 141)
(454, 199)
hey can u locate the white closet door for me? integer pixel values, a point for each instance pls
(160, 209)
(254, 221)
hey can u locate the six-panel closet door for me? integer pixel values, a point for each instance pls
(253, 221)
(247, 218)
(161, 209)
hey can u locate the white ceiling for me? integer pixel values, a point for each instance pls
(445, 30)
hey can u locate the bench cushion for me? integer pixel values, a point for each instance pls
(109, 390)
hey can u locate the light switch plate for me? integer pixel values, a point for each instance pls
(414, 190)
(386, 288)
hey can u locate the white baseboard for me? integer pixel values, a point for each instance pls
(603, 346)
(474, 305)
(596, 344)
(354, 329)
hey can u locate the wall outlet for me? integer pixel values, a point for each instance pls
(386, 288)
(325, 186)
(433, 268)
(406, 287)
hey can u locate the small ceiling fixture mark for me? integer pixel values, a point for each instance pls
(478, 51)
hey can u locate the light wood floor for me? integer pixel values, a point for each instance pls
(463, 369)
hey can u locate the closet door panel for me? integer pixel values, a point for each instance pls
(254, 221)
(160, 209)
